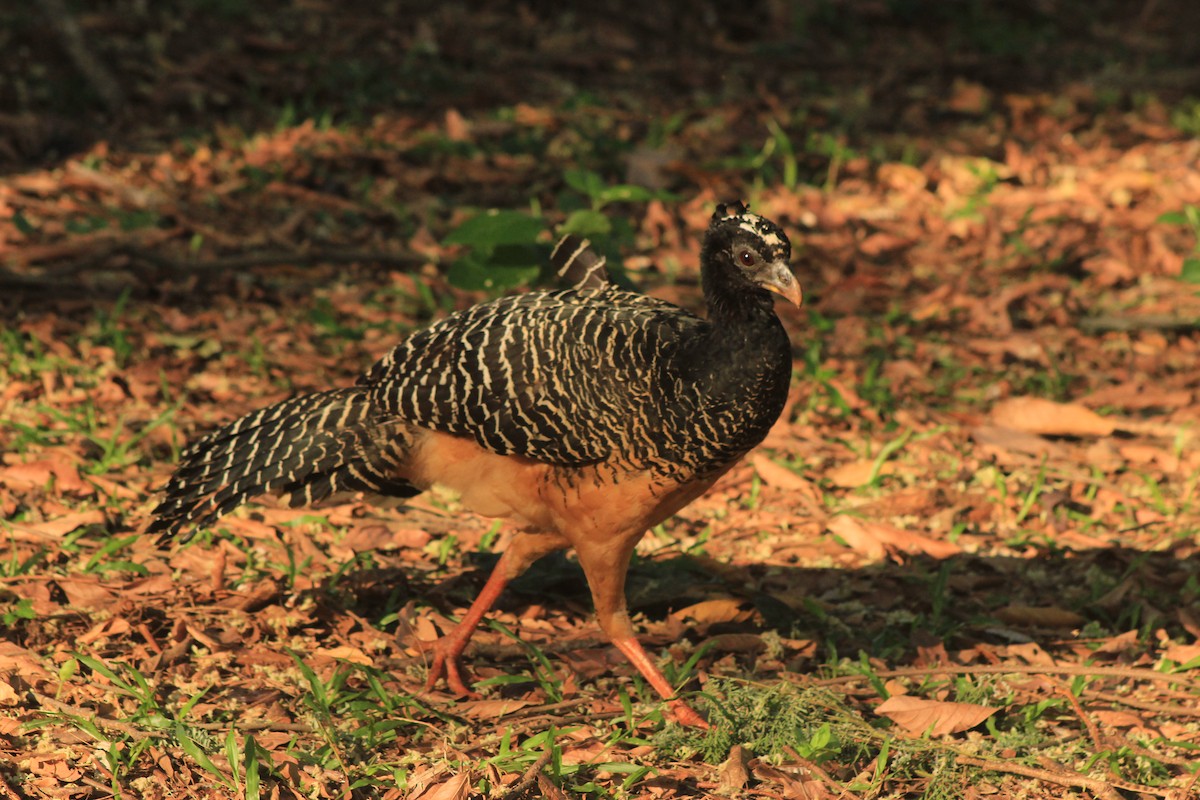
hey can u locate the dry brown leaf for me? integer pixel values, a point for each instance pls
(1035, 617)
(968, 97)
(933, 717)
(489, 709)
(876, 539)
(734, 774)
(457, 128)
(116, 626)
(1119, 719)
(1138, 395)
(1183, 653)
(8, 695)
(345, 653)
(38, 474)
(454, 789)
(1048, 418)
(901, 177)
(377, 536)
(60, 526)
(1004, 443)
(774, 475)
(1120, 643)
(856, 473)
(736, 643)
(856, 535)
(793, 785)
(82, 593)
(1029, 652)
(709, 612)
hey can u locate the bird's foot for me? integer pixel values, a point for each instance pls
(446, 652)
(686, 715)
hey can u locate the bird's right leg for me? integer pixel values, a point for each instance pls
(524, 549)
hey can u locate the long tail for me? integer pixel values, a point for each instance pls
(309, 447)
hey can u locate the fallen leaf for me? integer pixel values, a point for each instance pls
(709, 612)
(933, 717)
(115, 626)
(60, 526)
(968, 97)
(377, 536)
(38, 474)
(83, 593)
(773, 474)
(453, 789)
(1120, 643)
(734, 773)
(1119, 719)
(345, 653)
(736, 643)
(489, 709)
(1031, 653)
(1004, 443)
(876, 539)
(1048, 418)
(856, 473)
(457, 129)
(1183, 654)
(1039, 617)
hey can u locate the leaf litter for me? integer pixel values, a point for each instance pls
(980, 502)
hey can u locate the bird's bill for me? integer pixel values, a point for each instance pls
(779, 279)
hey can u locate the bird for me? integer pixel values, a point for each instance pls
(584, 415)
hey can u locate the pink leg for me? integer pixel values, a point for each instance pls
(605, 564)
(523, 550)
(446, 650)
(639, 658)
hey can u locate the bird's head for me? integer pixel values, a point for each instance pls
(744, 253)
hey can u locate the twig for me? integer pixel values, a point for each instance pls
(1110, 323)
(103, 722)
(1129, 673)
(1074, 779)
(530, 777)
(244, 261)
(1142, 705)
(534, 723)
(63, 276)
(547, 708)
(1094, 734)
(254, 725)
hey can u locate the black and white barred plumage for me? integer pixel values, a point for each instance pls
(590, 376)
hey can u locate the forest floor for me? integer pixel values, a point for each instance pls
(965, 563)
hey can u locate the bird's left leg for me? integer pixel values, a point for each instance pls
(605, 563)
(524, 549)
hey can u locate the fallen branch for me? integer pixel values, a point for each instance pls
(521, 787)
(1101, 788)
(245, 261)
(50, 705)
(1142, 705)
(66, 275)
(1114, 323)
(1129, 673)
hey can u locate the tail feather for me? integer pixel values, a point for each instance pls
(308, 447)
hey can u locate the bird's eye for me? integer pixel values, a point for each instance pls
(747, 258)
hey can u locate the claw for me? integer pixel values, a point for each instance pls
(445, 664)
(686, 715)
